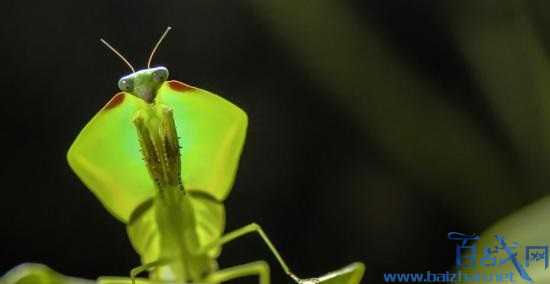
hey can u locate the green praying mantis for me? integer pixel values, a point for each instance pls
(162, 156)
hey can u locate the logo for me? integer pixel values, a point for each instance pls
(496, 262)
(500, 254)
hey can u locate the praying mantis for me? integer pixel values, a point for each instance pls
(162, 156)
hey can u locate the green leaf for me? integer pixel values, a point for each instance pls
(34, 273)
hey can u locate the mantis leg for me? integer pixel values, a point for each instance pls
(251, 228)
(146, 267)
(122, 280)
(350, 274)
(259, 268)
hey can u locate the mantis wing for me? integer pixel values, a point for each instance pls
(106, 154)
(212, 132)
(106, 157)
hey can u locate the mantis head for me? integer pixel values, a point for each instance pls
(144, 83)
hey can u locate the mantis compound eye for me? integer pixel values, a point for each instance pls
(160, 74)
(126, 84)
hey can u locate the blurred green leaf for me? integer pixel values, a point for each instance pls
(430, 140)
(529, 226)
(500, 43)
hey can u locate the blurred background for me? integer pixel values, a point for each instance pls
(376, 127)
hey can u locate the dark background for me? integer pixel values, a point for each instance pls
(376, 127)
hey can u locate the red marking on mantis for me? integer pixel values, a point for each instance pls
(115, 101)
(179, 86)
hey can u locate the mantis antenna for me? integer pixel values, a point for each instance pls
(157, 46)
(118, 53)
